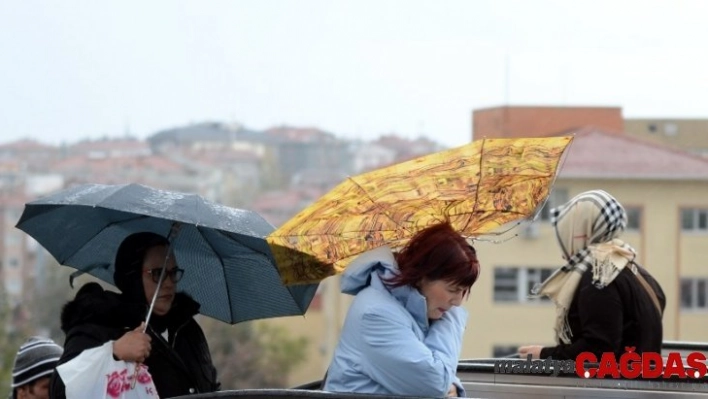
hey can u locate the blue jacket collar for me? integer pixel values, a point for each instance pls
(373, 268)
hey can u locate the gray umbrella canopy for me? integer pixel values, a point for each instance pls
(229, 268)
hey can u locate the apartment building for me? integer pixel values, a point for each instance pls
(665, 192)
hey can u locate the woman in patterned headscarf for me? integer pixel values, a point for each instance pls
(604, 300)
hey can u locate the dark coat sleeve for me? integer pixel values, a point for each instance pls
(78, 340)
(195, 350)
(600, 314)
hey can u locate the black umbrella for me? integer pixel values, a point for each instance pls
(229, 268)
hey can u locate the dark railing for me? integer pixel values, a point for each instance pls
(289, 393)
(666, 346)
(480, 374)
(684, 346)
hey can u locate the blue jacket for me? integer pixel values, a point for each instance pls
(387, 346)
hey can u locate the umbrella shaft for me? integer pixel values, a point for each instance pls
(173, 234)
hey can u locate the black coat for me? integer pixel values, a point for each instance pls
(179, 365)
(610, 319)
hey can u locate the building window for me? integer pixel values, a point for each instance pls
(13, 286)
(693, 219)
(505, 284)
(12, 239)
(671, 129)
(634, 218)
(558, 196)
(514, 284)
(694, 293)
(504, 350)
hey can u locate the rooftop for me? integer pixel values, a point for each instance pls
(597, 153)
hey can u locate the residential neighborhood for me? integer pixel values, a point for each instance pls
(660, 175)
(346, 199)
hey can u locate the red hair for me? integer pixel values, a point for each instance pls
(437, 253)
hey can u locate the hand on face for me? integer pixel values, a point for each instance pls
(154, 259)
(133, 346)
(441, 296)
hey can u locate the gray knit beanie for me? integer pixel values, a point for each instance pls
(36, 358)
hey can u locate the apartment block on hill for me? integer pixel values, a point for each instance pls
(690, 135)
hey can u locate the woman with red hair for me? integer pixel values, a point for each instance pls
(403, 332)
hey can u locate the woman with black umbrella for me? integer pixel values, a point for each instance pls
(173, 346)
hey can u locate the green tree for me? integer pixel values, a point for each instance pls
(253, 355)
(281, 353)
(45, 306)
(271, 176)
(11, 337)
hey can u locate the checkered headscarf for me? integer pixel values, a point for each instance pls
(587, 228)
(585, 223)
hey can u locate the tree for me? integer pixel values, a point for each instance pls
(46, 305)
(281, 352)
(271, 176)
(11, 337)
(253, 354)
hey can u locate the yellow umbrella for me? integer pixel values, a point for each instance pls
(477, 188)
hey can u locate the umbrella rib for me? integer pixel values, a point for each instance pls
(476, 192)
(104, 228)
(244, 244)
(274, 265)
(223, 267)
(366, 194)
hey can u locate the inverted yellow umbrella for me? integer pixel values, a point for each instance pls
(477, 188)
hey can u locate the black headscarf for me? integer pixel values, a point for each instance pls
(128, 278)
(128, 275)
(129, 264)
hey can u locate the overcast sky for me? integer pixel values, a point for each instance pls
(78, 69)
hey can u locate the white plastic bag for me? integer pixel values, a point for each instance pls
(95, 374)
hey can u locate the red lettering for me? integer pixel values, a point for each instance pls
(649, 359)
(580, 364)
(630, 364)
(696, 361)
(674, 366)
(608, 365)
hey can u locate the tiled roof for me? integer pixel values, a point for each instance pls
(108, 165)
(596, 153)
(208, 131)
(13, 200)
(219, 157)
(111, 144)
(25, 145)
(299, 134)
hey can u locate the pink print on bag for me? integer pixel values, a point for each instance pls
(121, 381)
(117, 383)
(144, 376)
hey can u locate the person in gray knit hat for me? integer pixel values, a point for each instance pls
(34, 364)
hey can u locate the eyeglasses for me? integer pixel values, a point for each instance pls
(174, 274)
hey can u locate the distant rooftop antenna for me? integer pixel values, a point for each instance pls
(507, 72)
(421, 128)
(507, 94)
(564, 83)
(126, 127)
